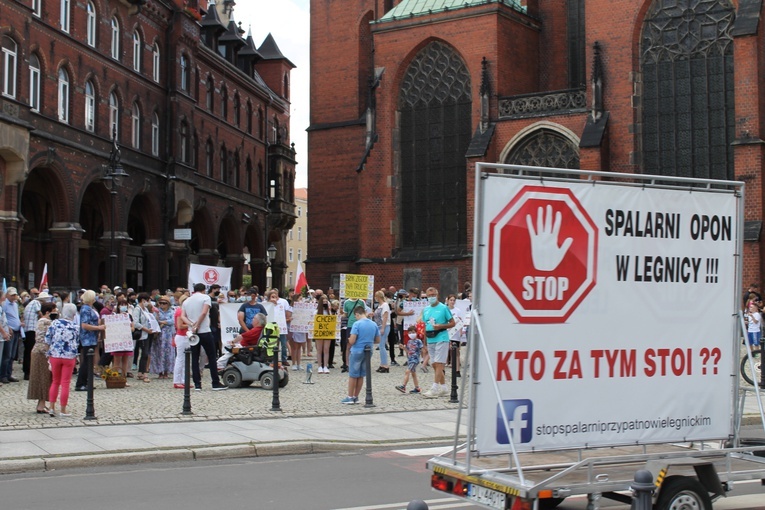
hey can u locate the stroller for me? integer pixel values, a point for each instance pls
(254, 363)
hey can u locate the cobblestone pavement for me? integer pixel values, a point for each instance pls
(158, 401)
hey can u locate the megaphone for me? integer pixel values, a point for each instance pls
(193, 338)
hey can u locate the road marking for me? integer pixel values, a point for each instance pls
(441, 502)
(748, 502)
(421, 452)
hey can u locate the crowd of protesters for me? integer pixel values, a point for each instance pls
(49, 334)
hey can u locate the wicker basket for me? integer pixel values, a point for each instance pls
(115, 382)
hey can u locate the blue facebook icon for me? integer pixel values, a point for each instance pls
(519, 413)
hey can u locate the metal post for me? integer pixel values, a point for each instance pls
(642, 490)
(112, 252)
(90, 410)
(417, 504)
(275, 404)
(187, 383)
(368, 366)
(455, 357)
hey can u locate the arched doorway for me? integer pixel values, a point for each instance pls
(94, 251)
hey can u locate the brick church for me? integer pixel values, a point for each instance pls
(177, 95)
(407, 95)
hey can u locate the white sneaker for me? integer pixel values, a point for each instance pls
(321, 370)
(445, 391)
(326, 370)
(295, 367)
(430, 394)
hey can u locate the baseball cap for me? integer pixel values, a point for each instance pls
(12, 291)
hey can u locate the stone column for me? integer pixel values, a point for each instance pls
(236, 262)
(64, 271)
(155, 265)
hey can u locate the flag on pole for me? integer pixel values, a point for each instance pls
(44, 281)
(5, 287)
(301, 279)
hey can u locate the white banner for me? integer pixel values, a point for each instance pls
(607, 311)
(118, 337)
(229, 323)
(210, 275)
(302, 317)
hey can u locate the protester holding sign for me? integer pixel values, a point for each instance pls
(322, 343)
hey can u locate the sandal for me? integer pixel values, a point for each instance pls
(146, 379)
(130, 374)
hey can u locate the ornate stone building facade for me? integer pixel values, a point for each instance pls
(201, 119)
(407, 95)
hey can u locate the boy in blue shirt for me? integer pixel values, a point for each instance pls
(364, 332)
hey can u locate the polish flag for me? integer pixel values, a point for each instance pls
(44, 281)
(301, 280)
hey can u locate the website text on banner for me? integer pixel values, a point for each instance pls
(607, 311)
(356, 286)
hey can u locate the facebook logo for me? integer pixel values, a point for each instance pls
(519, 413)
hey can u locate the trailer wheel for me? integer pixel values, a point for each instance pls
(683, 493)
(549, 503)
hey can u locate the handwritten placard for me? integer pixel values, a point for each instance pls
(356, 286)
(118, 337)
(325, 327)
(302, 316)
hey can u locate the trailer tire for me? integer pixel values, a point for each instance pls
(683, 493)
(549, 503)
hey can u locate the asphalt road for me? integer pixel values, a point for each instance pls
(365, 480)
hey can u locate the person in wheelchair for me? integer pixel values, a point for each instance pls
(249, 338)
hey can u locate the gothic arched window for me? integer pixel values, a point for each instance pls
(435, 105)
(686, 59)
(547, 148)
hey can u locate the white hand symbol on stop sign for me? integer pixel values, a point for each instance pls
(546, 255)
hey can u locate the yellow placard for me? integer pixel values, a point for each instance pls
(356, 286)
(324, 327)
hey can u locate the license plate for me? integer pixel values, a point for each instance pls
(486, 496)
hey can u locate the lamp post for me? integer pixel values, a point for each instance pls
(113, 175)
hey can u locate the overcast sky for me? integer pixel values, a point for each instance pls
(288, 21)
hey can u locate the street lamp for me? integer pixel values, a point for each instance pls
(271, 253)
(113, 175)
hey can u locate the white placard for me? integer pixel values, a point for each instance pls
(413, 306)
(302, 317)
(276, 313)
(607, 312)
(153, 322)
(118, 337)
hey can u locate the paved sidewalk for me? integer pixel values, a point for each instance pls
(143, 422)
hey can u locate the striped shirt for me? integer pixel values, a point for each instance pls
(31, 314)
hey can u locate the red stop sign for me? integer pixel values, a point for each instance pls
(543, 254)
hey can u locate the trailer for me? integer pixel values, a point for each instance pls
(605, 341)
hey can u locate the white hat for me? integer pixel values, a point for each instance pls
(43, 296)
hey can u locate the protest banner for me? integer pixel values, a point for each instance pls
(210, 275)
(229, 322)
(413, 306)
(117, 337)
(325, 327)
(302, 317)
(277, 314)
(357, 286)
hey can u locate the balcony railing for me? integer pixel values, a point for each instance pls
(540, 105)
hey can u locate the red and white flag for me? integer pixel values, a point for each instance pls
(301, 279)
(44, 281)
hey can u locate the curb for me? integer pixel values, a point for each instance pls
(54, 462)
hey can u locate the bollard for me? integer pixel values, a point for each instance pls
(417, 504)
(642, 490)
(90, 410)
(455, 355)
(187, 383)
(368, 368)
(275, 404)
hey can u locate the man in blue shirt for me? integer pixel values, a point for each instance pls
(249, 310)
(363, 332)
(11, 309)
(437, 319)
